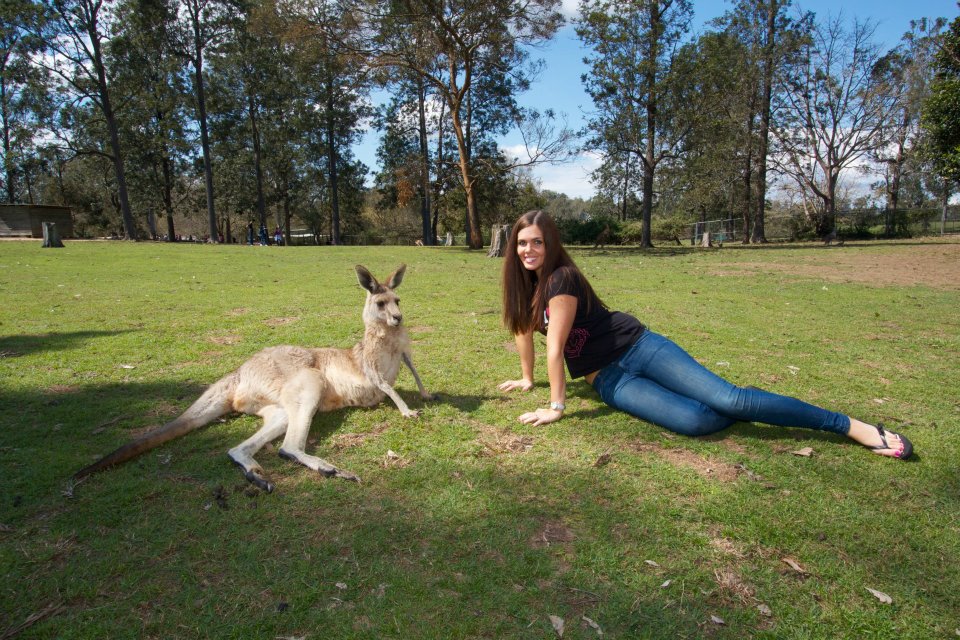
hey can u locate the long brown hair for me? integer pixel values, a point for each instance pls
(524, 296)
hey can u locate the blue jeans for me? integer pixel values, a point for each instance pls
(657, 381)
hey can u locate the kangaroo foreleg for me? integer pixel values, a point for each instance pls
(382, 384)
(274, 425)
(426, 395)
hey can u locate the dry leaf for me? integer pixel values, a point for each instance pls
(666, 584)
(651, 563)
(603, 460)
(878, 400)
(341, 585)
(717, 620)
(764, 610)
(593, 625)
(806, 452)
(880, 595)
(557, 623)
(793, 565)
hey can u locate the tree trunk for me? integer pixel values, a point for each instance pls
(204, 134)
(51, 237)
(626, 188)
(332, 168)
(8, 166)
(429, 238)
(129, 228)
(498, 240)
(759, 221)
(257, 159)
(168, 196)
(474, 237)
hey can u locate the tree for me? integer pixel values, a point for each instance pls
(633, 84)
(769, 36)
(451, 45)
(76, 33)
(941, 110)
(832, 112)
(23, 98)
(200, 26)
(906, 72)
(154, 119)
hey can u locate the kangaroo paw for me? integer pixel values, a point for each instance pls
(260, 481)
(346, 475)
(255, 476)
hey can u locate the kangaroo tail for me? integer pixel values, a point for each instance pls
(216, 401)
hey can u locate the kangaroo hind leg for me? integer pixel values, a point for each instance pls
(274, 425)
(301, 398)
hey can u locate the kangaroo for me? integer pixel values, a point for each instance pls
(287, 385)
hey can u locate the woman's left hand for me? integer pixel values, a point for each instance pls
(541, 416)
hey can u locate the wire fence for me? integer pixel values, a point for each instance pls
(855, 223)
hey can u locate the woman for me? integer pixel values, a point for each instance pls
(632, 368)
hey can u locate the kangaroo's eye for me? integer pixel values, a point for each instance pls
(380, 304)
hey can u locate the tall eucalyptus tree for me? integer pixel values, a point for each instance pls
(23, 97)
(632, 83)
(201, 26)
(76, 35)
(452, 44)
(833, 109)
(155, 117)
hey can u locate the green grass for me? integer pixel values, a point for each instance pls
(484, 527)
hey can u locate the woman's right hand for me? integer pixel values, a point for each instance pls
(511, 385)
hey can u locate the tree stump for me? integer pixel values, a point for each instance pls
(705, 240)
(498, 240)
(51, 237)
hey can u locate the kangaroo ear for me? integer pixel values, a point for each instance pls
(366, 279)
(397, 277)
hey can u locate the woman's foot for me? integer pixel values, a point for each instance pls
(880, 441)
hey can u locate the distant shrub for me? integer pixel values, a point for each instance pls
(587, 231)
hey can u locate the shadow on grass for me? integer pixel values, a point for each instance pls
(21, 345)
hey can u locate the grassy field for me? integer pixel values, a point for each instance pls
(467, 523)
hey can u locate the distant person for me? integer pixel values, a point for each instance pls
(278, 236)
(263, 235)
(631, 367)
(250, 233)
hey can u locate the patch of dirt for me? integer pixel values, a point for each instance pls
(552, 533)
(732, 587)
(239, 311)
(350, 440)
(498, 441)
(279, 322)
(225, 340)
(933, 265)
(59, 389)
(422, 329)
(706, 468)
(510, 346)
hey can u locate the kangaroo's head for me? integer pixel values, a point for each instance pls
(383, 305)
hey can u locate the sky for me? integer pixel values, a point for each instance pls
(559, 85)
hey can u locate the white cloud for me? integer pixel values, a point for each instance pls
(571, 178)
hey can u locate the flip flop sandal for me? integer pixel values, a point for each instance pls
(907, 445)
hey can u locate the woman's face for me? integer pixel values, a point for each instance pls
(530, 248)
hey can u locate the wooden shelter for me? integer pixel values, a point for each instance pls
(26, 220)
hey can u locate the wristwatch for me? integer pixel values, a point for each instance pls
(557, 406)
